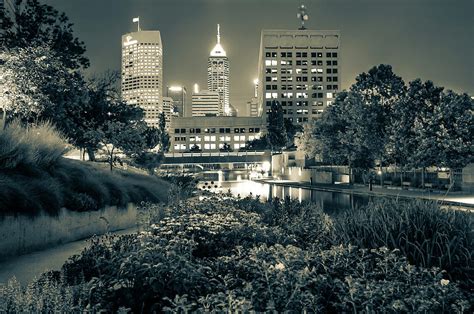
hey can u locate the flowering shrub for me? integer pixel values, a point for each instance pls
(229, 255)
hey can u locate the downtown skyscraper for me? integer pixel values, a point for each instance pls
(301, 70)
(218, 71)
(142, 72)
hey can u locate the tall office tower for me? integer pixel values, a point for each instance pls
(300, 69)
(218, 75)
(142, 72)
(205, 103)
(168, 106)
(178, 94)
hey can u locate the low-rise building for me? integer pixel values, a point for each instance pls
(213, 134)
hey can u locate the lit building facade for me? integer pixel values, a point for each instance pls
(142, 73)
(301, 70)
(168, 107)
(210, 134)
(178, 94)
(205, 103)
(218, 71)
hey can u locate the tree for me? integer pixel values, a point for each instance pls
(126, 137)
(307, 142)
(152, 137)
(276, 127)
(35, 25)
(36, 86)
(341, 135)
(164, 136)
(261, 143)
(413, 142)
(455, 130)
(380, 90)
(291, 131)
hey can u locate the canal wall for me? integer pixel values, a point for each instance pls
(22, 234)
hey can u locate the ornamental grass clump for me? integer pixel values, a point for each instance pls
(35, 178)
(429, 236)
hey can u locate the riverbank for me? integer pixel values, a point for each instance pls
(451, 198)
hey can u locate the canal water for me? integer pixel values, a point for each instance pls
(329, 201)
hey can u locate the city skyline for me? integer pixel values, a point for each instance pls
(417, 38)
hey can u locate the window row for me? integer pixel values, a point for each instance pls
(300, 54)
(213, 130)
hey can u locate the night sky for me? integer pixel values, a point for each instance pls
(429, 39)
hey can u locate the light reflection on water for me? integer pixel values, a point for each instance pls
(329, 201)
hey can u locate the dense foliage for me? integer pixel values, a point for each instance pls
(34, 177)
(382, 121)
(223, 254)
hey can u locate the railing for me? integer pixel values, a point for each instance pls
(216, 154)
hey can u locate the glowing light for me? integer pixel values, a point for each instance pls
(175, 88)
(196, 88)
(266, 166)
(255, 81)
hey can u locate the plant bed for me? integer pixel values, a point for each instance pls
(223, 254)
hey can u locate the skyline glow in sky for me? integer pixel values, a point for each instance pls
(429, 39)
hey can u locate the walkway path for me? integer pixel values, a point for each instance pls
(454, 198)
(26, 267)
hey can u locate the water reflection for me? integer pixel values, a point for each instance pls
(329, 201)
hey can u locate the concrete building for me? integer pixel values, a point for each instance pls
(178, 94)
(218, 71)
(252, 107)
(205, 104)
(210, 134)
(300, 69)
(142, 72)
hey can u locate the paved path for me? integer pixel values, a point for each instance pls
(456, 198)
(27, 267)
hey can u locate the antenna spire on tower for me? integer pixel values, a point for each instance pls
(303, 16)
(218, 34)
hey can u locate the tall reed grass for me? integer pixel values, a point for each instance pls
(426, 234)
(34, 177)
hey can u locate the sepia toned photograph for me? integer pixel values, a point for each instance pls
(236, 156)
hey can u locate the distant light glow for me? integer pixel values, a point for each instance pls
(196, 88)
(175, 88)
(255, 81)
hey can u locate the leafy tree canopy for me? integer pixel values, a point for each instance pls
(36, 24)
